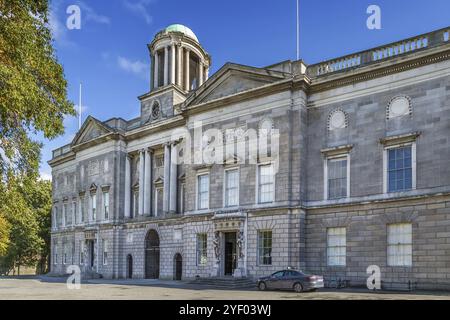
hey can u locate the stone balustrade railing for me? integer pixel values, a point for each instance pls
(61, 151)
(422, 42)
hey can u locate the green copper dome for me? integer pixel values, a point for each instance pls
(183, 29)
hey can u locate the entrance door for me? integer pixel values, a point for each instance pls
(91, 253)
(152, 255)
(178, 266)
(129, 266)
(230, 253)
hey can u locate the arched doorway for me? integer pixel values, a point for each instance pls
(177, 267)
(152, 255)
(129, 266)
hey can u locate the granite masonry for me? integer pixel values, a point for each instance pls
(356, 171)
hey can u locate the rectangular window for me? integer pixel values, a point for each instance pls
(135, 203)
(337, 178)
(203, 192)
(265, 184)
(82, 252)
(94, 206)
(231, 188)
(105, 251)
(202, 245)
(336, 246)
(265, 247)
(159, 196)
(55, 217)
(82, 218)
(74, 213)
(65, 254)
(56, 254)
(106, 205)
(65, 220)
(399, 250)
(399, 169)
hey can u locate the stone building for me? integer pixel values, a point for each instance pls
(356, 171)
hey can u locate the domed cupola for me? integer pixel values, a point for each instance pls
(178, 59)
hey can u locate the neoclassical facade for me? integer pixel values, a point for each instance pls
(353, 172)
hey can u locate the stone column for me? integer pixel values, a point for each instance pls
(166, 178)
(156, 71)
(141, 181)
(166, 66)
(127, 186)
(173, 178)
(180, 66)
(186, 70)
(172, 64)
(201, 69)
(147, 183)
(206, 73)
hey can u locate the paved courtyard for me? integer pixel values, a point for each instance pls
(56, 289)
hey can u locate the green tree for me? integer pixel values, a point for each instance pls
(4, 235)
(38, 196)
(25, 245)
(33, 90)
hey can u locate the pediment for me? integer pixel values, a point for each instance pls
(91, 129)
(231, 80)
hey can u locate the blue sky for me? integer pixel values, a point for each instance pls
(109, 53)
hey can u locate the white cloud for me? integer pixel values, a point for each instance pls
(138, 68)
(91, 15)
(46, 176)
(140, 8)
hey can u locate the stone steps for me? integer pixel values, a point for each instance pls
(225, 283)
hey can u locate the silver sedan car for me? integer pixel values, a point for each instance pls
(291, 279)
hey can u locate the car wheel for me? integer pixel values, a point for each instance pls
(298, 287)
(262, 286)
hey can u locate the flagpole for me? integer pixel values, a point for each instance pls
(298, 30)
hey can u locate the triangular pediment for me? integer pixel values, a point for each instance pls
(91, 129)
(233, 79)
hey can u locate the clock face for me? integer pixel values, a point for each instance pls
(337, 120)
(156, 111)
(399, 107)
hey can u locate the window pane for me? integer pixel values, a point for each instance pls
(399, 248)
(399, 169)
(337, 178)
(265, 247)
(231, 188)
(266, 184)
(336, 246)
(203, 192)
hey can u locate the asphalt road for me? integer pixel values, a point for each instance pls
(56, 289)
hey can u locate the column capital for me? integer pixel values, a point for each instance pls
(150, 150)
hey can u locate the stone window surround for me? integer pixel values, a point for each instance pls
(336, 246)
(266, 163)
(336, 153)
(398, 142)
(231, 168)
(258, 238)
(158, 188)
(388, 244)
(203, 172)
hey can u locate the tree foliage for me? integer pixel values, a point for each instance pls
(4, 234)
(27, 209)
(33, 90)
